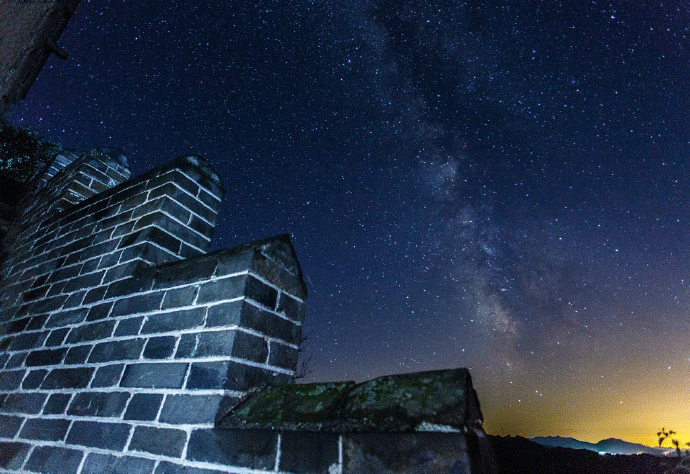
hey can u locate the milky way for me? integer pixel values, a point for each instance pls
(496, 185)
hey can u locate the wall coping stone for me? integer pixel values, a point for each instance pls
(439, 400)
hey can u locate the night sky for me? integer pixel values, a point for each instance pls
(501, 186)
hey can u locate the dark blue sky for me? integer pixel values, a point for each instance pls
(496, 185)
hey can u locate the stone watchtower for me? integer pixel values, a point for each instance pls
(29, 31)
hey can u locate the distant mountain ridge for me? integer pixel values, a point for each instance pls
(611, 445)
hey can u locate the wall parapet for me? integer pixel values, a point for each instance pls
(117, 326)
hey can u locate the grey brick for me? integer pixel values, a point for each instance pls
(12, 455)
(117, 350)
(291, 307)
(68, 378)
(138, 304)
(67, 318)
(224, 289)
(98, 312)
(96, 463)
(156, 440)
(178, 297)
(261, 293)
(129, 326)
(174, 321)
(186, 346)
(10, 380)
(56, 337)
(31, 340)
(143, 406)
(249, 347)
(46, 357)
(56, 404)
(30, 403)
(160, 347)
(77, 355)
(54, 460)
(281, 355)
(308, 452)
(94, 295)
(9, 425)
(16, 360)
(91, 332)
(243, 377)
(154, 375)
(190, 409)
(108, 375)
(208, 375)
(110, 404)
(34, 379)
(49, 429)
(254, 449)
(111, 436)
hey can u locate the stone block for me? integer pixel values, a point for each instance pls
(138, 304)
(97, 463)
(16, 360)
(129, 326)
(68, 378)
(178, 297)
(127, 349)
(91, 332)
(208, 375)
(308, 452)
(22, 402)
(243, 377)
(185, 272)
(174, 321)
(405, 452)
(13, 454)
(281, 355)
(190, 409)
(47, 429)
(219, 290)
(26, 341)
(11, 379)
(34, 379)
(261, 292)
(46, 357)
(56, 337)
(99, 312)
(159, 441)
(77, 355)
(160, 347)
(108, 375)
(255, 449)
(110, 404)
(54, 460)
(57, 403)
(154, 375)
(291, 307)
(96, 434)
(9, 425)
(249, 347)
(143, 406)
(67, 318)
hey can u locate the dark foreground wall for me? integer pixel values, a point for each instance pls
(120, 338)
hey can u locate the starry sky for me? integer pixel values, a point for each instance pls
(498, 185)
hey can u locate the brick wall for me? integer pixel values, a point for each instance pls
(121, 339)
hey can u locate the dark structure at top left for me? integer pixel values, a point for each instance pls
(29, 32)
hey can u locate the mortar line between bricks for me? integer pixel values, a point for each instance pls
(186, 360)
(185, 225)
(196, 199)
(266, 282)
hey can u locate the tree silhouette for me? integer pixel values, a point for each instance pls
(22, 152)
